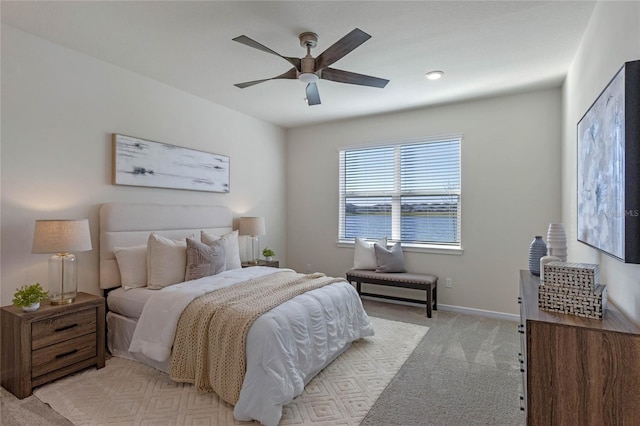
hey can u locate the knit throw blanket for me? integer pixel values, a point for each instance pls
(209, 345)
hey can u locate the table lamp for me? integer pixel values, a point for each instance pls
(62, 237)
(253, 227)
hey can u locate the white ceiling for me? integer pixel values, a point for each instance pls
(483, 47)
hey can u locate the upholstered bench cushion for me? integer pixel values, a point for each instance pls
(422, 280)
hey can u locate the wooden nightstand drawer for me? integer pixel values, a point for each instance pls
(50, 343)
(48, 332)
(62, 354)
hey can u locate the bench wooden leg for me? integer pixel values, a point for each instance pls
(432, 298)
(435, 295)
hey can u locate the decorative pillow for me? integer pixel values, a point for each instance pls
(364, 257)
(166, 261)
(231, 248)
(204, 260)
(389, 260)
(132, 262)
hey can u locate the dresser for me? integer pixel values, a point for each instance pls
(52, 342)
(577, 371)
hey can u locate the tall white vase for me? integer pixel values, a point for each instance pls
(557, 241)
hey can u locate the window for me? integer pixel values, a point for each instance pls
(408, 192)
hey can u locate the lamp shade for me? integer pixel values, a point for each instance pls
(252, 226)
(61, 236)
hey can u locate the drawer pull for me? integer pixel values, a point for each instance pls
(66, 327)
(66, 354)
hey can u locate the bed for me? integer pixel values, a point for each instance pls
(286, 346)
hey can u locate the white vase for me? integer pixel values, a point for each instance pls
(268, 258)
(32, 307)
(557, 241)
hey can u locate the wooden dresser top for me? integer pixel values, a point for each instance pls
(613, 320)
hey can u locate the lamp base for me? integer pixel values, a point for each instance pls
(255, 249)
(62, 301)
(63, 284)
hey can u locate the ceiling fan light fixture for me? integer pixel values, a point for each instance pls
(308, 77)
(434, 75)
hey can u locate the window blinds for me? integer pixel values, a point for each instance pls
(408, 192)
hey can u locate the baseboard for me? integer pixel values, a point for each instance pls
(451, 308)
(480, 312)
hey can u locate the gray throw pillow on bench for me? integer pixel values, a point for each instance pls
(389, 260)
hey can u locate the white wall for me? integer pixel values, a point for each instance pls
(510, 191)
(59, 109)
(612, 38)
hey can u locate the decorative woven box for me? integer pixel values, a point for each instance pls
(581, 275)
(583, 302)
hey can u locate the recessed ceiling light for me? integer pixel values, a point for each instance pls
(434, 75)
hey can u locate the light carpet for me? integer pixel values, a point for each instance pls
(130, 393)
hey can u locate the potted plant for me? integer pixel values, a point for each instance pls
(28, 297)
(268, 253)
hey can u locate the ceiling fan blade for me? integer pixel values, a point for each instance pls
(252, 43)
(250, 83)
(313, 97)
(291, 74)
(341, 76)
(340, 48)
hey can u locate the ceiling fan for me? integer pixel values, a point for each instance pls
(310, 69)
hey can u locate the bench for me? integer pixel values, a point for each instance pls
(428, 283)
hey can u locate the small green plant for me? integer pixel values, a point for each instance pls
(267, 252)
(29, 294)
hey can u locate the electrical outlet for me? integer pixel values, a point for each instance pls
(308, 271)
(448, 283)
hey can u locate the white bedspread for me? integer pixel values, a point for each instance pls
(286, 347)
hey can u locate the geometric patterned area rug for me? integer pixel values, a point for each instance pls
(126, 392)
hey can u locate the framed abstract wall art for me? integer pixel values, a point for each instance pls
(608, 167)
(140, 162)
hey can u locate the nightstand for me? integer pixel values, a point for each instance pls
(271, 263)
(50, 343)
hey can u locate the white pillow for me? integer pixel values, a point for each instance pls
(231, 247)
(364, 255)
(132, 262)
(166, 261)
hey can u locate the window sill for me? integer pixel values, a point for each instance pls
(417, 248)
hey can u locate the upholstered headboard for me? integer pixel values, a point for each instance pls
(125, 225)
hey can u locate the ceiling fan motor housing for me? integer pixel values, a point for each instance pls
(308, 63)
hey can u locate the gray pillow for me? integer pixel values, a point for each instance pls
(204, 260)
(389, 260)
